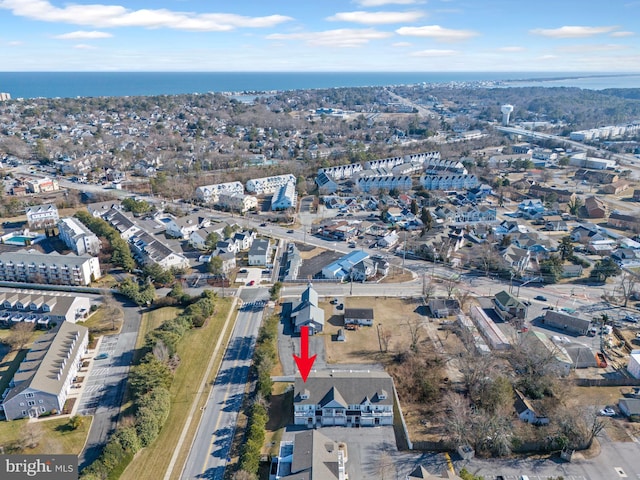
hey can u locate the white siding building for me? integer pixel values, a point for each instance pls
(41, 216)
(52, 268)
(376, 182)
(286, 197)
(237, 202)
(210, 193)
(78, 237)
(269, 185)
(44, 378)
(448, 182)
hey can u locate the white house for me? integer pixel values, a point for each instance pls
(149, 250)
(269, 185)
(448, 182)
(285, 197)
(526, 412)
(237, 202)
(182, 227)
(260, 252)
(244, 239)
(210, 193)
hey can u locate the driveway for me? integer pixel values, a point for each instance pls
(104, 387)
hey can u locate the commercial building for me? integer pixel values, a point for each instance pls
(78, 237)
(42, 185)
(43, 309)
(348, 399)
(42, 216)
(44, 378)
(30, 266)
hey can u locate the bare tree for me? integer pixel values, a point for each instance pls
(244, 475)
(627, 286)
(20, 335)
(457, 418)
(451, 285)
(414, 330)
(385, 338)
(428, 290)
(385, 467)
(31, 434)
(463, 297)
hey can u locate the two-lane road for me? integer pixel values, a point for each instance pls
(210, 449)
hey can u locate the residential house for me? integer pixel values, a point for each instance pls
(260, 252)
(546, 193)
(585, 233)
(534, 242)
(228, 260)
(183, 227)
(43, 381)
(518, 259)
(311, 456)
(596, 208)
(532, 207)
(626, 257)
(341, 231)
(292, 263)
(526, 412)
(634, 364)
(389, 240)
(149, 250)
(349, 399)
(571, 271)
(99, 209)
(237, 202)
(538, 345)
(244, 239)
(77, 237)
(125, 226)
(444, 307)
(474, 213)
(509, 307)
(42, 216)
(556, 223)
(31, 266)
(198, 239)
(369, 268)
(341, 268)
(358, 316)
(228, 246)
(326, 183)
(566, 322)
(306, 313)
(636, 196)
(597, 177)
(615, 188)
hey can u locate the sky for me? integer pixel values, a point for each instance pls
(323, 35)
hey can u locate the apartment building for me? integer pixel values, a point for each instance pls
(31, 266)
(41, 309)
(43, 380)
(237, 202)
(78, 237)
(286, 197)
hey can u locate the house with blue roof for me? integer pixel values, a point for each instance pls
(341, 268)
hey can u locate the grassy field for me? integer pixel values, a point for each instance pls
(362, 345)
(152, 320)
(12, 359)
(280, 415)
(194, 351)
(51, 435)
(106, 320)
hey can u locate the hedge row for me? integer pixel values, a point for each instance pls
(266, 355)
(250, 453)
(149, 382)
(121, 254)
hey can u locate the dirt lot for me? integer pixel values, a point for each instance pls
(362, 346)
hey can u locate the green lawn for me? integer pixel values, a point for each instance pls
(152, 320)
(51, 435)
(105, 320)
(194, 352)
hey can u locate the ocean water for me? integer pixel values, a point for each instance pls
(99, 84)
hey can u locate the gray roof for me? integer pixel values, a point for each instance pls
(58, 304)
(315, 457)
(353, 388)
(259, 247)
(310, 295)
(45, 368)
(33, 256)
(364, 313)
(632, 405)
(565, 320)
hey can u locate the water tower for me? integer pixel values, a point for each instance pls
(506, 112)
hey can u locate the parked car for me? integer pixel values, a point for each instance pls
(630, 319)
(251, 283)
(542, 298)
(263, 224)
(289, 231)
(334, 301)
(608, 412)
(244, 270)
(340, 307)
(101, 356)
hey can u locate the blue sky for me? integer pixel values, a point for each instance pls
(327, 35)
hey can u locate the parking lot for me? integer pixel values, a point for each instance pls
(93, 387)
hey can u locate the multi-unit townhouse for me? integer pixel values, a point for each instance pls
(269, 185)
(43, 379)
(42, 216)
(211, 193)
(448, 182)
(285, 197)
(41, 309)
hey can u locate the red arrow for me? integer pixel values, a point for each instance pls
(303, 361)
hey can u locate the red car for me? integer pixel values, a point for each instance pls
(251, 283)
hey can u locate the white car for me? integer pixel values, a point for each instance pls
(608, 412)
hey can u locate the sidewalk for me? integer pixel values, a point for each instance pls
(77, 392)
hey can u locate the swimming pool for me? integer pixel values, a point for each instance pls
(22, 240)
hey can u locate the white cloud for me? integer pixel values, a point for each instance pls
(105, 16)
(572, 31)
(401, 44)
(15, 43)
(82, 46)
(511, 49)
(379, 3)
(437, 33)
(376, 18)
(334, 38)
(434, 53)
(547, 57)
(83, 35)
(622, 34)
(592, 48)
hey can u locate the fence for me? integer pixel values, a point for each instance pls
(607, 382)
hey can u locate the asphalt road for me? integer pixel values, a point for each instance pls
(210, 449)
(104, 389)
